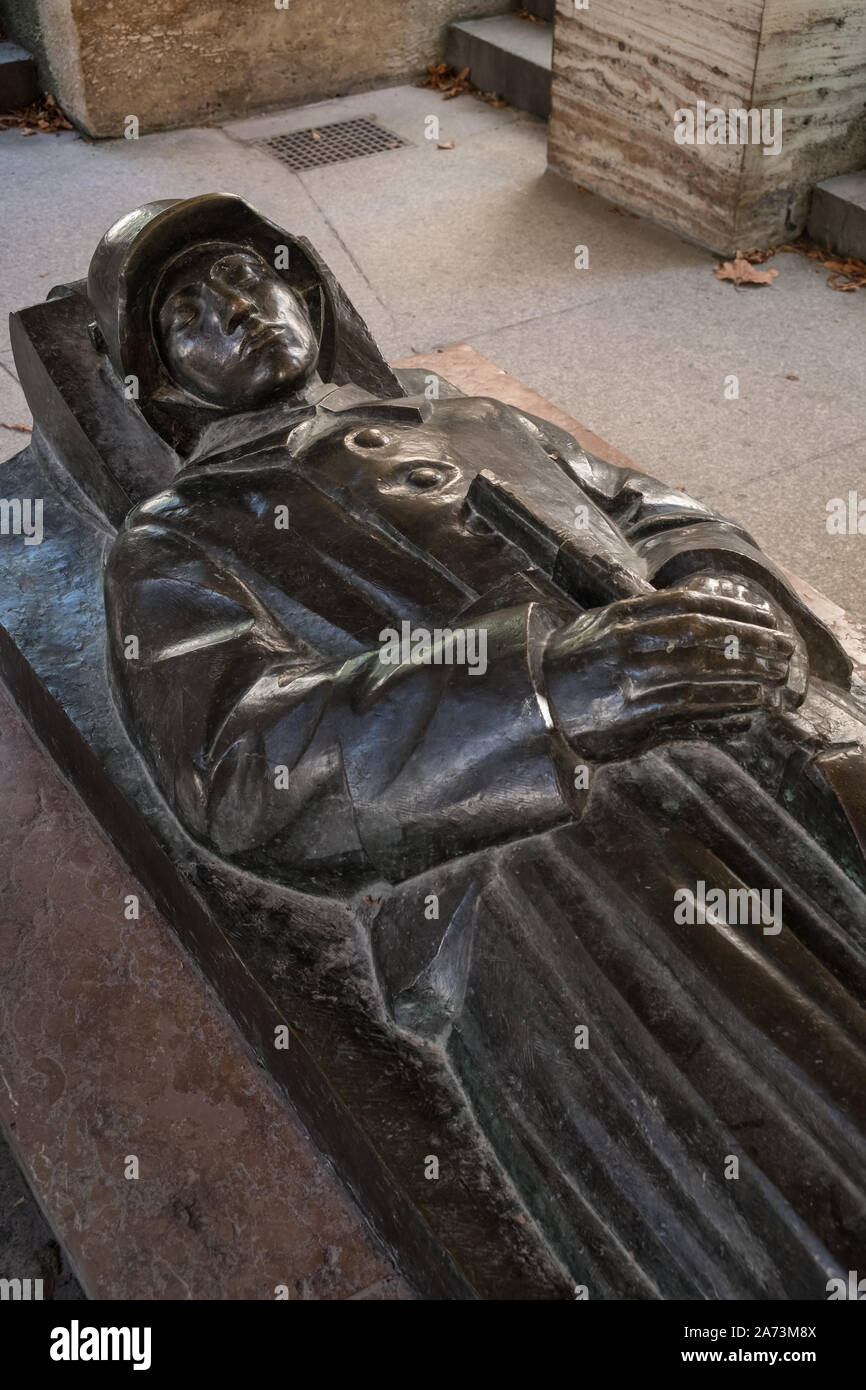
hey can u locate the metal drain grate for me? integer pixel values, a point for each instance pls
(330, 144)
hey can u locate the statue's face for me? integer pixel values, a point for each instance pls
(232, 332)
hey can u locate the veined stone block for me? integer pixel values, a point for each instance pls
(624, 70)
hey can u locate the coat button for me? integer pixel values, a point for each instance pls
(424, 477)
(370, 438)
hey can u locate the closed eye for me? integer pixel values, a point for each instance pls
(183, 315)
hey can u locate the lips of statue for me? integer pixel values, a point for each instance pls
(233, 333)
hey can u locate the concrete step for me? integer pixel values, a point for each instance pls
(838, 214)
(19, 85)
(507, 55)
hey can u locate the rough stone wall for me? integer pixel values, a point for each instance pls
(623, 67)
(182, 62)
(19, 23)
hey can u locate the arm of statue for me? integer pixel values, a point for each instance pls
(292, 763)
(687, 544)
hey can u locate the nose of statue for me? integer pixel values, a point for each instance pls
(238, 310)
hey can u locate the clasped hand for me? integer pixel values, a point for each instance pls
(619, 675)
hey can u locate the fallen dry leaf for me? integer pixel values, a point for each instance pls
(451, 84)
(742, 272)
(845, 275)
(445, 145)
(44, 115)
(22, 429)
(444, 79)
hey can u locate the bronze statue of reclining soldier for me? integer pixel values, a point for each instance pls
(601, 764)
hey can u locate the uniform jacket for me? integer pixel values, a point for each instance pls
(257, 590)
